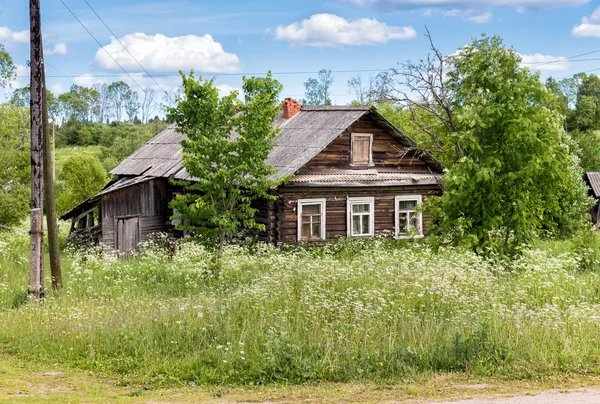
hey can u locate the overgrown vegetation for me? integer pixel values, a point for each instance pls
(512, 171)
(232, 170)
(373, 310)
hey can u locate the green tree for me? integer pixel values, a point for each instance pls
(119, 94)
(560, 102)
(587, 148)
(80, 103)
(230, 169)
(132, 105)
(21, 96)
(318, 91)
(78, 178)
(375, 90)
(7, 67)
(517, 174)
(14, 164)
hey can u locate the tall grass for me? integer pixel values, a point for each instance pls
(346, 311)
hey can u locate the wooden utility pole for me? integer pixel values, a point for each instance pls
(36, 252)
(50, 204)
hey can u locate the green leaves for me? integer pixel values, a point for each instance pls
(7, 68)
(225, 150)
(80, 177)
(518, 176)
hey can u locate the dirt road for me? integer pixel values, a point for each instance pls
(584, 396)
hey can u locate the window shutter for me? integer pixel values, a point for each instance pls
(361, 150)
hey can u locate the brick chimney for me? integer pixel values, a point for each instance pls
(290, 107)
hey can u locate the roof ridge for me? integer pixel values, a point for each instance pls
(336, 107)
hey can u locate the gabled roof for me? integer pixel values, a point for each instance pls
(593, 179)
(299, 140)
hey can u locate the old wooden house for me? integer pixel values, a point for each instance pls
(352, 174)
(593, 181)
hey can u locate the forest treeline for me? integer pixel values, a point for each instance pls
(95, 128)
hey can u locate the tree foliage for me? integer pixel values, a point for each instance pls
(375, 90)
(14, 164)
(318, 91)
(79, 177)
(514, 173)
(517, 175)
(7, 67)
(231, 169)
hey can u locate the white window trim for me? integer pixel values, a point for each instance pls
(323, 203)
(360, 200)
(398, 198)
(370, 149)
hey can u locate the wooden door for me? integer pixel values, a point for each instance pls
(128, 234)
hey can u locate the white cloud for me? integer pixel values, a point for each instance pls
(225, 89)
(57, 89)
(478, 11)
(328, 30)
(7, 34)
(160, 53)
(472, 15)
(541, 62)
(59, 49)
(589, 27)
(521, 5)
(87, 80)
(481, 18)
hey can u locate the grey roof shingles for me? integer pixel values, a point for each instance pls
(299, 140)
(594, 181)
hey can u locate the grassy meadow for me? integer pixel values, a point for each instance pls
(378, 310)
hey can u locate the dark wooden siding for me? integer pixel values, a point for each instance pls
(387, 151)
(336, 201)
(147, 200)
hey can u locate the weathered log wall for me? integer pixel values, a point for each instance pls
(335, 209)
(147, 200)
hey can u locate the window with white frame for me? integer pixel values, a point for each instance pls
(311, 219)
(361, 216)
(362, 149)
(409, 222)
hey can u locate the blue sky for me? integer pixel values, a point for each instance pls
(231, 37)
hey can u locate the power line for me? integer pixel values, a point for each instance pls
(127, 50)
(103, 48)
(563, 59)
(587, 71)
(537, 64)
(237, 74)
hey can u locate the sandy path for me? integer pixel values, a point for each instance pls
(585, 396)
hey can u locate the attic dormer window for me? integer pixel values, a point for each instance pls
(362, 149)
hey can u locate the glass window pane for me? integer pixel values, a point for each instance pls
(356, 225)
(413, 221)
(305, 219)
(402, 221)
(360, 207)
(365, 224)
(305, 231)
(316, 230)
(316, 219)
(407, 205)
(311, 209)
